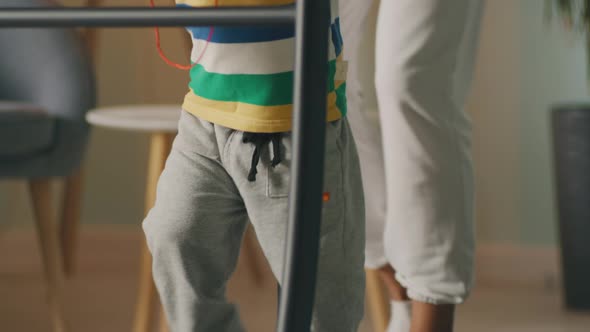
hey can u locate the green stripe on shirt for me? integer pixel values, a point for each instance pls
(262, 90)
(341, 99)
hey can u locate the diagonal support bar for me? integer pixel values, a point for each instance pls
(144, 17)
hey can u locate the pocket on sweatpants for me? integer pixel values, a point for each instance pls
(278, 177)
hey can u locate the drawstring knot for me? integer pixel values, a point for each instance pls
(260, 140)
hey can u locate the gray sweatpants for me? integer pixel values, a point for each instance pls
(204, 201)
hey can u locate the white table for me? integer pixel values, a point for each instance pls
(142, 118)
(161, 122)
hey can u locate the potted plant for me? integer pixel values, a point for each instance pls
(571, 151)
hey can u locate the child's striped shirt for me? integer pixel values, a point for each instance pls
(244, 79)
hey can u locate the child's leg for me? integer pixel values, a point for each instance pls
(194, 231)
(340, 284)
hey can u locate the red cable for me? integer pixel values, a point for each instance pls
(172, 63)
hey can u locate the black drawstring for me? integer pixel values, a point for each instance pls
(260, 140)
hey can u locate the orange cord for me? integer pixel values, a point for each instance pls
(172, 63)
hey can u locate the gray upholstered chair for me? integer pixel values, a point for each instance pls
(46, 87)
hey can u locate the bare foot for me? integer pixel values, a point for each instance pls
(426, 317)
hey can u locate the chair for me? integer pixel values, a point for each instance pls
(46, 87)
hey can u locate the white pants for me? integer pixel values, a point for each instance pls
(416, 166)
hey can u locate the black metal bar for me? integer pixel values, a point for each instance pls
(307, 173)
(144, 17)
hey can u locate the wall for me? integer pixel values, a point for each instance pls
(494, 107)
(553, 70)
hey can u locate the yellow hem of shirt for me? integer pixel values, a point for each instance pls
(248, 117)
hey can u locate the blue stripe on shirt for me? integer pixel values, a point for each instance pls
(337, 36)
(245, 34)
(255, 34)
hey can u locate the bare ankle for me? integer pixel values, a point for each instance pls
(432, 318)
(396, 291)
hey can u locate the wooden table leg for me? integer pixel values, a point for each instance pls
(160, 146)
(378, 301)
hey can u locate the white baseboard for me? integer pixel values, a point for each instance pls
(522, 266)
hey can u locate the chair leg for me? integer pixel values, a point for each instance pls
(70, 220)
(252, 256)
(41, 198)
(378, 301)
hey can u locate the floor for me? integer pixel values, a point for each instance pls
(100, 298)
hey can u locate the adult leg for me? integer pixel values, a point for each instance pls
(367, 133)
(366, 129)
(429, 230)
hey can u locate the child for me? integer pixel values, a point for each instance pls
(222, 173)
